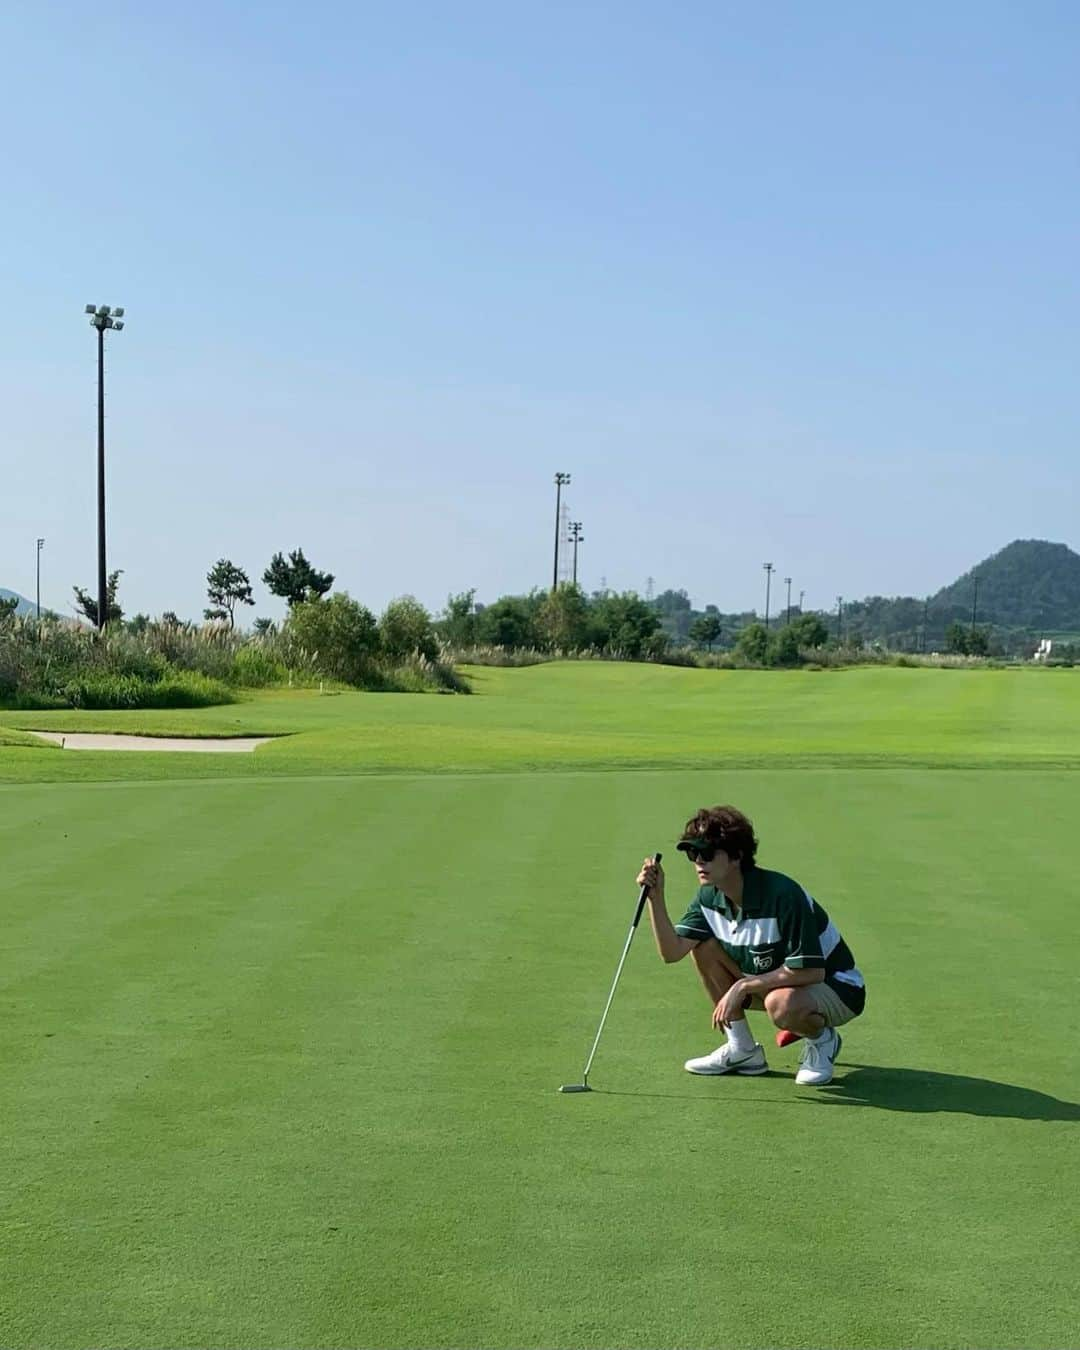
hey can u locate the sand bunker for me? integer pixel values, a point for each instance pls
(85, 740)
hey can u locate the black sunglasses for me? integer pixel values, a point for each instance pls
(704, 854)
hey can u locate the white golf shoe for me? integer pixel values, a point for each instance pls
(818, 1056)
(729, 1060)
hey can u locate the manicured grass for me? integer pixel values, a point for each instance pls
(594, 715)
(280, 1055)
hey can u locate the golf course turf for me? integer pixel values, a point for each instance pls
(282, 1032)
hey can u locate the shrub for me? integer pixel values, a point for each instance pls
(255, 666)
(418, 675)
(627, 624)
(752, 644)
(783, 648)
(103, 690)
(509, 622)
(405, 628)
(339, 637)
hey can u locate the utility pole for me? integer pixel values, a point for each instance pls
(576, 537)
(102, 317)
(40, 545)
(787, 582)
(801, 594)
(561, 480)
(768, 582)
(839, 618)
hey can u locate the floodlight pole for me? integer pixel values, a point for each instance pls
(576, 537)
(102, 317)
(102, 582)
(787, 581)
(768, 582)
(561, 479)
(40, 544)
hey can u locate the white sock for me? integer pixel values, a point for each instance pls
(738, 1034)
(822, 1038)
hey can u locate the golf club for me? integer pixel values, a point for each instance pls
(583, 1086)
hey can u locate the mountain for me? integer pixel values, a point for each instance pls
(1028, 590)
(24, 606)
(1029, 584)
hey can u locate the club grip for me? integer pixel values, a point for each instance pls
(644, 895)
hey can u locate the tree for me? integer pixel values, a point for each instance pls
(296, 581)
(956, 639)
(783, 648)
(88, 606)
(672, 602)
(978, 642)
(340, 635)
(226, 587)
(405, 628)
(8, 607)
(509, 622)
(265, 627)
(706, 630)
(752, 644)
(809, 630)
(628, 625)
(138, 624)
(562, 619)
(675, 612)
(458, 621)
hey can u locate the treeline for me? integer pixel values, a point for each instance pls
(164, 661)
(622, 626)
(899, 625)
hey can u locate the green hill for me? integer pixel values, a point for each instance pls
(1028, 590)
(23, 607)
(1030, 584)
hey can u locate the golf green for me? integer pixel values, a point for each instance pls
(283, 1033)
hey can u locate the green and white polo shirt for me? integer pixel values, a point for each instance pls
(778, 924)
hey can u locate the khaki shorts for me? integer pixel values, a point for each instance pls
(829, 1004)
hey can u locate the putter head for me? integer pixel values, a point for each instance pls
(575, 1087)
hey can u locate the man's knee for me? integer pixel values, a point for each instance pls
(785, 1006)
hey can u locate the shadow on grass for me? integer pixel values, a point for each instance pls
(923, 1090)
(901, 1090)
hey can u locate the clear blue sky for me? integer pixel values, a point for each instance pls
(787, 282)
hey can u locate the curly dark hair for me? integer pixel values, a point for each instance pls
(725, 828)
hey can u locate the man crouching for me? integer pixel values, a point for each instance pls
(759, 940)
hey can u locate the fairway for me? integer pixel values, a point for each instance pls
(283, 1031)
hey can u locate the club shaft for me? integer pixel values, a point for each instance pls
(618, 971)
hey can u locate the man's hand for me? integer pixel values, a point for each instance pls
(652, 875)
(730, 1007)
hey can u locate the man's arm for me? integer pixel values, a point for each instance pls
(671, 945)
(784, 978)
(757, 986)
